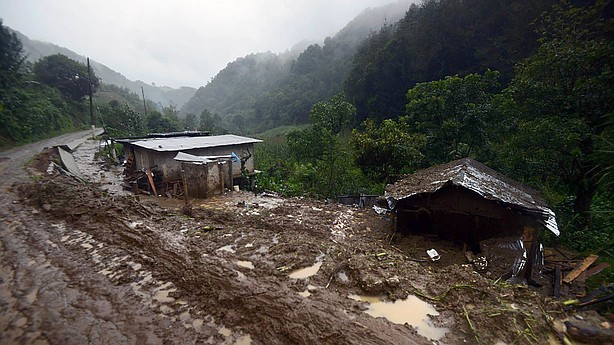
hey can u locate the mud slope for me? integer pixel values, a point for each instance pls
(80, 265)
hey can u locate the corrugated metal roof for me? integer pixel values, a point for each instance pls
(478, 178)
(188, 143)
(185, 157)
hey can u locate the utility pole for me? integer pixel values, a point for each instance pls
(144, 105)
(89, 84)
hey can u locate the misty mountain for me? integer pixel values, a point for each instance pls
(266, 90)
(163, 96)
(437, 39)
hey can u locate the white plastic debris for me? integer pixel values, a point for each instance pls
(433, 254)
(379, 210)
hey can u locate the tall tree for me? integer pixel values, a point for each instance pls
(11, 57)
(322, 147)
(189, 122)
(158, 123)
(210, 122)
(69, 76)
(454, 114)
(386, 150)
(121, 120)
(436, 39)
(560, 100)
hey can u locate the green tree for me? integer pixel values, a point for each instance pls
(326, 121)
(67, 75)
(386, 150)
(189, 122)
(454, 114)
(11, 58)
(309, 144)
(210, 122)
(11, 68)
(322, 147)
(158, 123)
(121, 121)
(559, 101)
(28, 110)
(440, 38)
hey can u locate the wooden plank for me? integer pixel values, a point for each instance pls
(580, 268)
(597, 269)
(530, 242)
(557, 281)
(151, 182)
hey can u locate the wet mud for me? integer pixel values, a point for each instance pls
(83, 264)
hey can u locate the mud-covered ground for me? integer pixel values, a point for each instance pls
(86, 263)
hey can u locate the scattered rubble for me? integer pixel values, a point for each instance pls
(228, 270)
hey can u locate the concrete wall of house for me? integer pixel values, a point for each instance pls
(171, 169)
(204, 180)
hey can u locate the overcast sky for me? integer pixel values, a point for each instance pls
(178, 42)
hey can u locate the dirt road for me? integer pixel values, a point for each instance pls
(48, 292)
(80, 264)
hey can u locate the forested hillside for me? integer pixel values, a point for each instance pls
(438, 39)
(266, 90)
(39, 100)
(524, 87)
(162, 96)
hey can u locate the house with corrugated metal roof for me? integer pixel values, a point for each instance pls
(464, 200)
(473, 206)
(165, 157)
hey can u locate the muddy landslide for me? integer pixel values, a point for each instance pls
(81, 265)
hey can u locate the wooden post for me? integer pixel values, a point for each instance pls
(220, 168)
(151, 182)
(557, 281)
(530, 242)
(89, 83)
(206, 184)
(185, 185)
(144, 105)
(231, 178)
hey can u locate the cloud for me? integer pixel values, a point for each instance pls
(182, 42)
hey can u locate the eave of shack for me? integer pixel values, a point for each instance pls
(478, 178)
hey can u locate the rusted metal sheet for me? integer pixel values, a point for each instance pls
(480, 179)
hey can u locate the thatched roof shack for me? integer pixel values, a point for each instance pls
(466, 200)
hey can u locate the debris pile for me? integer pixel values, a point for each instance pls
(260, 299)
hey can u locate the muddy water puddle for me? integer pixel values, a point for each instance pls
(307, 272)
(229, 248)
(246, 264)
(411, 310)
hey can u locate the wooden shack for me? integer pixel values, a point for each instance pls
(466, 202)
